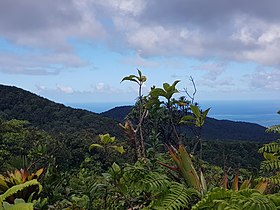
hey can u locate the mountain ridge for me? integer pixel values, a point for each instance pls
(213, 129)
(17, 103)
(54, 117)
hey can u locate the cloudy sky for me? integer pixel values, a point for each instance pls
(79, 50)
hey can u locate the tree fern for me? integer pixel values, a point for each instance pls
(248, 199)
(273, 147)
(177, 197)
(270, 165)
(213, 199)
(155, 182)
(274, 129)
(272, 179)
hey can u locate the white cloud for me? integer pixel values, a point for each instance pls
(265, 79)
(102, 87)
(214, 70)
(59, 88)
(201, 29)
(65, 89)
(44, 29)
(131, 7)
(48, 64)
(140, 62)
(224, 83)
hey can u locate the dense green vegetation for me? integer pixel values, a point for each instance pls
(158, 158)
(52, 117)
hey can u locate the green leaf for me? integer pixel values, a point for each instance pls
(143, 79)
(166, 87)
(19, 205)
(175, 83)
(132, 78)
(119, 149)
(187, 119)
(13, 190)
(106, 138)
(116, 168)
(94, 146)
(195, 110)
(139, 73)
(157, 92)
(204, 113)
(269, 156)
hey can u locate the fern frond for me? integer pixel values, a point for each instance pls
(273, 179)
(256, 201)
(273, 147)
(13, 190)
(270, 165)
(247, 192)
(249, 199)
(275, 198)
(274, 129)
(155, 182)
(178, 197)
(214, 198)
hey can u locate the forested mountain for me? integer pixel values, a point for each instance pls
(214, 129)
(80, 170)
(118, 113)
(76, 128)
(16, 103)
(73, 130)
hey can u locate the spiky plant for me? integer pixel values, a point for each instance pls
(19, 178)
(185, 168)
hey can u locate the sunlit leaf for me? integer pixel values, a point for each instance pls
(195, 110)
(116, 168)
(166, 87)
(132, 78)
(94, 146)
(187, 119)
(157, 92)
(139, 73)
(119, 149)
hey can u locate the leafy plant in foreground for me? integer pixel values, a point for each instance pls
(18, 178)
(249, 199)
(186, 168)
(12, 193)
(138, 143)
(271, 164)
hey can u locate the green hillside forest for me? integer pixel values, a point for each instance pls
(163, 153)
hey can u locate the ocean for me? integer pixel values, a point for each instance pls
(260, 112)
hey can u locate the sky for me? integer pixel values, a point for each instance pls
(77, 51)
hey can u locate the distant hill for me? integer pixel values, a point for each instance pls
(16, 103)
(76, 129)
(118, 113)
(213, 129)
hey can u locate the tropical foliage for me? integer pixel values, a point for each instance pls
(160, 166)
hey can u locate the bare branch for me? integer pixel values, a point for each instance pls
(194, 92)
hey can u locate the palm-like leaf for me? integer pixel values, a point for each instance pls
(185, 167)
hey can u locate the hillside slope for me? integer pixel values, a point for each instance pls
(16, 103)
(213, 129)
